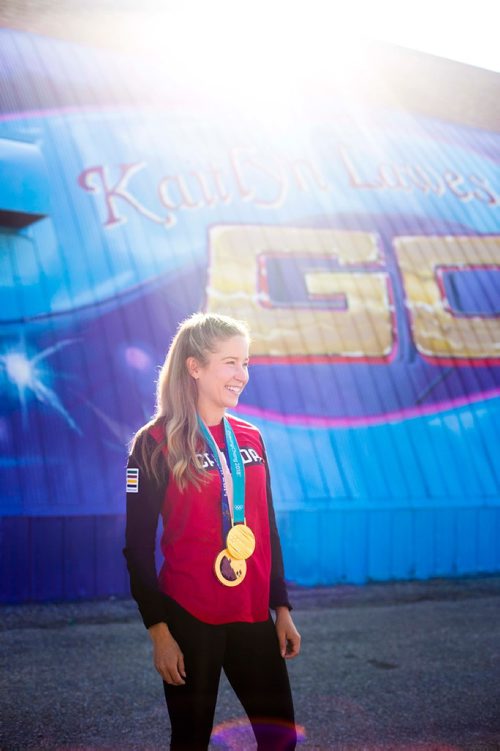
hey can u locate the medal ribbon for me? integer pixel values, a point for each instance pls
(237, 470)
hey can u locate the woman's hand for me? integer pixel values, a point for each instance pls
(167, 656)
(288, 636)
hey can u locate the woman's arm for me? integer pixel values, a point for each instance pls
(279, 592)
(167, 656)
(144, 504)
(143, 510)
(288, 636)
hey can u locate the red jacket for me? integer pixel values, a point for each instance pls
(192, 538)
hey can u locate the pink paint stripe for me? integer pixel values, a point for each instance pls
(349, 422)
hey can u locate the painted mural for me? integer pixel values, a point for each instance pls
(362, 245)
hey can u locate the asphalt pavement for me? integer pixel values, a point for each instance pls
(384, 667)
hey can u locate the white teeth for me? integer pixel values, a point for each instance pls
(233, 389)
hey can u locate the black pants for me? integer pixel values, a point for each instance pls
(249, 654)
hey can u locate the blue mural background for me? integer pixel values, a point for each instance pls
(385, 462)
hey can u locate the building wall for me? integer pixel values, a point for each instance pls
(358, 237)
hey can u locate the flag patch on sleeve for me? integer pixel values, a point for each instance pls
(132, 480)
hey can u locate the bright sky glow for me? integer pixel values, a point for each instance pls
(462, 31)
(467, 32)
(261, 53)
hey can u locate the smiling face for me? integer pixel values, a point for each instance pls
(221, 379)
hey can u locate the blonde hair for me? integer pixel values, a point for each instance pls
(177, 396)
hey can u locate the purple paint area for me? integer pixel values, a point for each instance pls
(227, 570)
(473, 291)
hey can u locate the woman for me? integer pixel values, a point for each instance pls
(206, 473)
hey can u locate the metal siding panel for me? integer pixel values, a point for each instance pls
(488, 541)
(402, 547)
(369, 454)
(312, 463)
(350, 467)
(15, 551)
(425, 444)
(444, 428)
(394, 465)
(24, 188)
(355, 545)
(329, 465)
(424, 543)
(337, 477)
(79, 557)
(478, 444)
(379, 542)
(310, 551)
(302, 550)
(64, 557)
(111, 570)
(47, 558)
(466, 541)
(497, 535)
(289, 545)
(445, 542)
(412, 460)
(284, 484)
(331, 546)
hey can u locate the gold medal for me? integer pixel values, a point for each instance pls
(240, 541)
(229, 570)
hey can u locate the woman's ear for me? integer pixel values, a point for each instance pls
(193, 367)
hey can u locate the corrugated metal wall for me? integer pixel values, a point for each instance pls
(359, 239)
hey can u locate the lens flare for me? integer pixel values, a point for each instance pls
(23, 372)
(237, 735)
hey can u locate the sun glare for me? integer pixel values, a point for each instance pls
(263, 56)
(258, 55)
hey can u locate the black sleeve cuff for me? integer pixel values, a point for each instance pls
(148, 597)
(279, 595)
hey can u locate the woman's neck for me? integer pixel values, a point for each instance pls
(211, 416)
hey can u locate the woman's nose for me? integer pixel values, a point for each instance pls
(242, 373)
